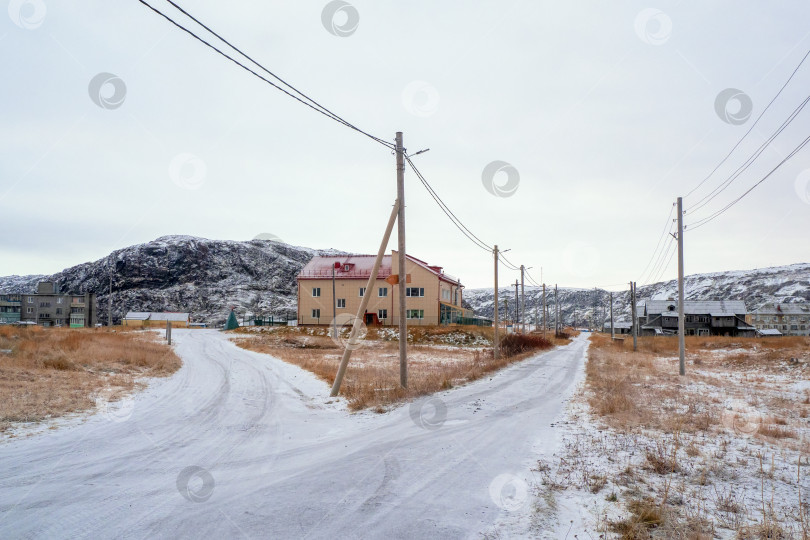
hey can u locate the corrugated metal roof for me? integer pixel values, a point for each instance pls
(784, 309)
(360, 267)
(697, 307)
(156, 316)
(770, 332)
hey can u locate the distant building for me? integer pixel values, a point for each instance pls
(788, 319)
(9, 308)
(619, 327)
(156, 319)
(701, 318)
(433, 297)
(49, 307)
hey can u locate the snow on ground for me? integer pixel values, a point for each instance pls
(725, 479)
(237, 443)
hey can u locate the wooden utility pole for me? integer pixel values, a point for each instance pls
(545, 311)
(403, 321)
(612, 332)
(169, 332)
(522, 301)
(495, 305)
(681, 320)
(635, 317)
(358, 321)
(109, 303)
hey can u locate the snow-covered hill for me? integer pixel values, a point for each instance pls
(185, 273)
(208, 277)
(784, 284)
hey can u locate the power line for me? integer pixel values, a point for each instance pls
(717, 214)
(742, 168)
(752, 125)
(664, 267)
(667, 226)
(449, 213)
(309, 102)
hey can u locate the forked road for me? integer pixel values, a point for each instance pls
(277, 459)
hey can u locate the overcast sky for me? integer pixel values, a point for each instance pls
(606, 111)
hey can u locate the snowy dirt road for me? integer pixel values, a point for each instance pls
(277, 458)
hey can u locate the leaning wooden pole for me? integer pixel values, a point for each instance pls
(358, 321)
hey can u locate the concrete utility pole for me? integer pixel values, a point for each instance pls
(545, 311)
(635, 317)
(522, 301)
(403, 321)
(556, 313)
(358, 321)
(169, 332)
(612, 332)
(506, 311)
(681, 320)
(497, 308)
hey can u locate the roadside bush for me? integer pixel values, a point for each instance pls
(514, 344)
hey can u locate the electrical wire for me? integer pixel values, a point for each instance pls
(717, 214)
(456, 221)
(306, 100)
(664, 267)
(742, 168)
(752, 125)
(667, 226)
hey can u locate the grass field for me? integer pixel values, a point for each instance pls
(51, 372)
(721, 452)
(438, 358)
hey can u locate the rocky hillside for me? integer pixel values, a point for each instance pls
(183, 273)
(784, 284)
(208, 277)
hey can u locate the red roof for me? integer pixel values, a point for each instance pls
(360, 266)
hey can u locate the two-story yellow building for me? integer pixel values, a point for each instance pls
(432, 297)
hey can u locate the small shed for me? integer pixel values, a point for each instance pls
(769, 332)
(156, 319)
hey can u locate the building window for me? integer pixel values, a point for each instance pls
(316, 313)
(30, 310)
(316, 291)
(347, 267)
(30, 299)
(415, 314)
(446, 294)
(58, 311)
(341, 302)
(382, 313)
(382, 292)
(59, 300)
(415, 291)
(362, 291)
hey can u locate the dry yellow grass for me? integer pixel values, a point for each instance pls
(372, 380)
(630, 390)
(54, 371)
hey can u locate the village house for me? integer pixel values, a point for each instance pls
(701, 318)
(49, 307)
(432, 296)
(782, 319)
